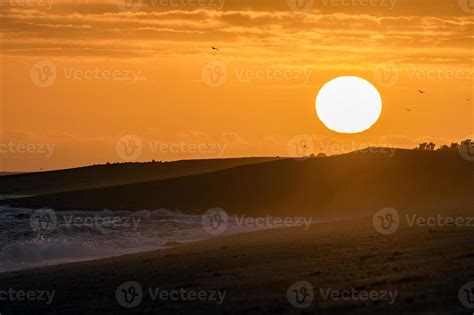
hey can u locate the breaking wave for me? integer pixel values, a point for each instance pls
(88, 235)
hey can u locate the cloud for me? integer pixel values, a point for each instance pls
(273, 35)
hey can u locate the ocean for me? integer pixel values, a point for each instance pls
(34, 238)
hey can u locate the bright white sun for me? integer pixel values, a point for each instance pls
(348, 105)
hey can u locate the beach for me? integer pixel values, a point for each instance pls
(351, 267)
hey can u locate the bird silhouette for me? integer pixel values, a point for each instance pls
(408, 110)
(215, 48)
(421, 92)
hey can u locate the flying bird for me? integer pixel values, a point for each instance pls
(408, 110)
(215, 48)
(421, 92)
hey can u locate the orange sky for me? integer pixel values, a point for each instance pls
(79, 75)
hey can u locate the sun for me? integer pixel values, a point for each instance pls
(348, 105)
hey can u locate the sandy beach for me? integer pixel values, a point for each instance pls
(413, 270)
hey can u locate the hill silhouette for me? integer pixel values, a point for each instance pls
(9, 173)
(346, 185)
(111, 175)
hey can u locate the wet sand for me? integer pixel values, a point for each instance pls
(424, 266)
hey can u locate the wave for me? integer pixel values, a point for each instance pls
(89, 235)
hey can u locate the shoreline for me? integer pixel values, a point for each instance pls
(426, 266)
(175, 244)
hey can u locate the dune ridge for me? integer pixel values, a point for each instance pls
(353, 184)
(111, 174)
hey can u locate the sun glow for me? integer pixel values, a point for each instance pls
(348, 105)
